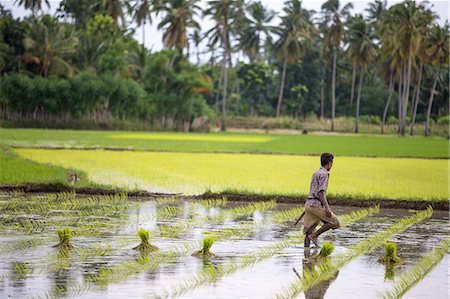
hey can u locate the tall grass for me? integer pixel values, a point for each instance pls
(145, 246)
(390, 257)
(64, 235)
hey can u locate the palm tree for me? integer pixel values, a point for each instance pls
(114, 9)
(334, 17)
(51, 45)
(439, 52)
(34, 5)
(222, 12)
(409, 22)
(142, 13)
(179, 17)
(295, 29)
(361, 51)
(256, 30)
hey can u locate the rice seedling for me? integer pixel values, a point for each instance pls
(145, 246)
(410, 277)
(325, 251)
(390, 257)
(378, 178)
(64, 235)
(327, 269)
(204, 252)
(211, 274)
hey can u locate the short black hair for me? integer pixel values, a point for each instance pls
(325, 158)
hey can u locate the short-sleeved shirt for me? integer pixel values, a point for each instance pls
(319, 182)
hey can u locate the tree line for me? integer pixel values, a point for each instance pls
(84, 63)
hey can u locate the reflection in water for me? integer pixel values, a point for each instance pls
(318, 291)
(61, 274)
(390, 272)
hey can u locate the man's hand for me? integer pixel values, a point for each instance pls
(328, 212)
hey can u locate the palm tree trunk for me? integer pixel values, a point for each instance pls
(333, 89)
(391, 90)
(430, 102)
(406, 98)
(416, 100)
(400, 96)
(219, 86)
(280, 95)
(353, 85)
(225, 80)
(358, 99)
(143, 34)
(322, 100)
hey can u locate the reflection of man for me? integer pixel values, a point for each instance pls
(318, 291)
(316, 205)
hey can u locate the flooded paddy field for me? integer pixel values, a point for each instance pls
(256, 250)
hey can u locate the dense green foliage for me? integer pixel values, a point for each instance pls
(83, 64)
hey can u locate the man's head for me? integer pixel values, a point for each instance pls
(326, 159)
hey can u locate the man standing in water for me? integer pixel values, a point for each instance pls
(316, 206)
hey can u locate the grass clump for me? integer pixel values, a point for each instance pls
(145, 246)
(64, 235)
(326, 250)
(390, 257)
(204, 252)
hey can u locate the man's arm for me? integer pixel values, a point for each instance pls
(323, 200)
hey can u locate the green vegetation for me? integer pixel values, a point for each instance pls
(357, 178)
(410, 277)
(326, 250)
(204, 252)
(345, 145)
(83, 65)
(64, 235)
(17, 171)
(390, 258)
(145, 246)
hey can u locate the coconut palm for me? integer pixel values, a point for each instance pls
(438, 51)
(222, 12)
(409, 21)
(34, 5)
(178, 18)
(114, 9)
(256, 30)
(361, 51)
(142, 13)
(295, 29)
(334, 18)
(51, 44)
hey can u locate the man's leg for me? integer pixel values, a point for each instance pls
(327, 226)
(308, 232)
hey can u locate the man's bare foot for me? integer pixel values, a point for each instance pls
(314, 240)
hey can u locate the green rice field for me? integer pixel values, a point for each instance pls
(340, 145)
(195, 173)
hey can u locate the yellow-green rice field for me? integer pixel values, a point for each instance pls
(193, 173)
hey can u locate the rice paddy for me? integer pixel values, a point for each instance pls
(340, 145)
(73, 245)
(190, 173)
(245, 249)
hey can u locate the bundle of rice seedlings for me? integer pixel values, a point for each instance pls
(65, 235)
(145, 246)
(390, 258)
(326, 250)
(204, 252)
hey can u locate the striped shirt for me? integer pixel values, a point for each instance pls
(319, 182)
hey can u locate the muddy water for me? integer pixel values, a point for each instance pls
(364, 277)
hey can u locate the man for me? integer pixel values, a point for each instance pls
(316, 206)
